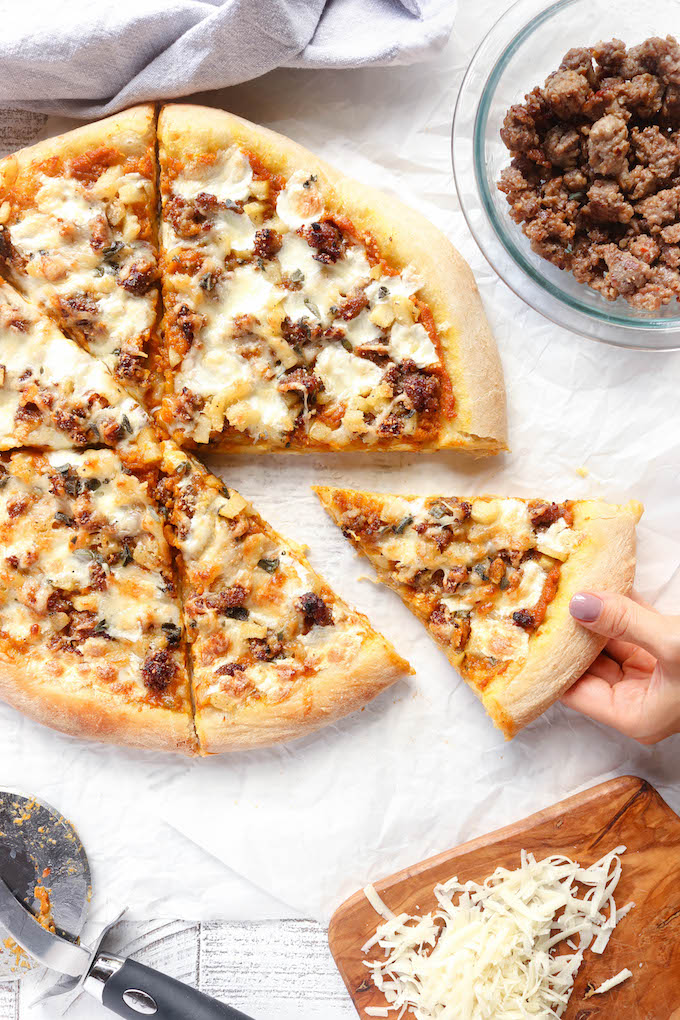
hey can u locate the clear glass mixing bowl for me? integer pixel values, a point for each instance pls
(519, 52)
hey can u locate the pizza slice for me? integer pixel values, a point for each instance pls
(52, 393)
(491, 578)
(275, 653)
(91, 635)
(77, 235)
(306, 311)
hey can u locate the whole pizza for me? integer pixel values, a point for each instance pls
(260, 301)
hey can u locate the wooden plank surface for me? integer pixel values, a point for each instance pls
(271, 970)
(585, 827)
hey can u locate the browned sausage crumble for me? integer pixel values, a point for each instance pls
(595, 174)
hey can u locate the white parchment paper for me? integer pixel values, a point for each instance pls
(422, 768)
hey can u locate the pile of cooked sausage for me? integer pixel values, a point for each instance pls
(595, 174)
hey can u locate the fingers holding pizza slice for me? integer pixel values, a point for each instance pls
(306, 311)
(491, 578)
(78, 235)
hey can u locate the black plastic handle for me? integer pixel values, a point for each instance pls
(134, 990)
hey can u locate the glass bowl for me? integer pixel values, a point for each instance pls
(519, 52)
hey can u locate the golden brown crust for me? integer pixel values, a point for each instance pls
(131, 132)
(340, 688)
(562, 650)
(403, 237)
(91, 714)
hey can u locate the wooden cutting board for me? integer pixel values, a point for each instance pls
(622, 811)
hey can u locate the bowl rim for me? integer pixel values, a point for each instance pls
(492, 236)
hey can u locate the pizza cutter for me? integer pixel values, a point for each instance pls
(45, 889)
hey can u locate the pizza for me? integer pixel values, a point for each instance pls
(52, 393)
(305, 311)
(491, 578)
(275, 653)
(78, 235)
(88, 595)
(161, 611)
(301, 311)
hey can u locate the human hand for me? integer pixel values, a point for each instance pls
(634, 684)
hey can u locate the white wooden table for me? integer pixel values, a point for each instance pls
(271, 970)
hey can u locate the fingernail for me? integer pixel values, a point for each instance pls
(586, 608)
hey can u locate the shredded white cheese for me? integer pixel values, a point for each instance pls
(489, 951)
(606, 986)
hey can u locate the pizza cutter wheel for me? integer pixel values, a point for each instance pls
(45, 889)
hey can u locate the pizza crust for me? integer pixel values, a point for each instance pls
(405, 237)
(90, 714)
(131, 131)
(562, 650)
(335, 691)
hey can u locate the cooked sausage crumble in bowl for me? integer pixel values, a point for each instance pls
(566, 156)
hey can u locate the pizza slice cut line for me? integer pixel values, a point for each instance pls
(275, 653)
(53, 394)
(87, 593)
(491, 577)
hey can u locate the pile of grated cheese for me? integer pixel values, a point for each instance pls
(492, 954)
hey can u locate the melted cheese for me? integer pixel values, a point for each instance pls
(228, 178)
(133, 607)
(236, 366)
(412, 343)
(54, 235)
(40, 355)
(345, 375)
(497, 639)
(301, 201)
(558, 540)
(126, 316)
(264, 414)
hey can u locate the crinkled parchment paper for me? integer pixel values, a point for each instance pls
(422, 768)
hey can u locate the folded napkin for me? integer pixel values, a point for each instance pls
(90, 59)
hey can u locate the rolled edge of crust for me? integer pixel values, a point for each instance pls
(90, 715)
(562, 650)
(405, 236)
(132, 131)
(335, 692)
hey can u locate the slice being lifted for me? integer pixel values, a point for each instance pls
(91, 638)
(77, 222)
(306, 311)
(491, 578)
(275, 653)
(52, 393)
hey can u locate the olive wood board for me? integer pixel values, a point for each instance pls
(625, 811)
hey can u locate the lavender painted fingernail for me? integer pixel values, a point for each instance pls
(586, 608)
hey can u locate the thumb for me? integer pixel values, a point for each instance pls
(615, 616)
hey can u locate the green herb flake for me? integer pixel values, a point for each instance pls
(312, 308)
(403, 524)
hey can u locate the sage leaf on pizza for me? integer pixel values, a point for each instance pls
(88, 598)
(275, 652)
(305, 311)
(52, 393)
(491, 578)
(77, 235)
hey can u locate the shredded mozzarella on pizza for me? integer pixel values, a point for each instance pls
(490, 951)
(286, 336)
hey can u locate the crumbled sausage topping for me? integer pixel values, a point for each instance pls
(595, 174)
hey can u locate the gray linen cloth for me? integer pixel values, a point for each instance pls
(88, 58)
